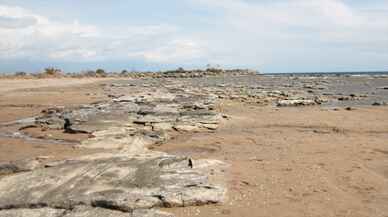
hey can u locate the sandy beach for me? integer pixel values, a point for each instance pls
(324, 159)
(194, 108)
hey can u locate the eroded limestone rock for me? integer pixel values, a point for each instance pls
(80, 211)
(114, 181)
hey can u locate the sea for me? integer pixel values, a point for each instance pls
(353, 73)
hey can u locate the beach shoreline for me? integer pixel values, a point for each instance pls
(292, 146)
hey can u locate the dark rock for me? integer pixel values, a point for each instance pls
(7, 168)
(379, 104)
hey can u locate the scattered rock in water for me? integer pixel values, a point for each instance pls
(379, 103)
(320, 99)
(296, 102)
(344, 98)
(351, 97)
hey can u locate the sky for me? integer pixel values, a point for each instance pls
(266, 35)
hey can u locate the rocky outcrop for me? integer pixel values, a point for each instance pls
(182, 73)
(129, 179)
(117, 181)
(138, 119)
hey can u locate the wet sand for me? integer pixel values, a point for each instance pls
(303, 161)
(297, 161)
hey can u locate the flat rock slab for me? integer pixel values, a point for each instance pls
(81, 211)
(119, 183)
(143, 117)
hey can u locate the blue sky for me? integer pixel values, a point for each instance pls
(267, 35)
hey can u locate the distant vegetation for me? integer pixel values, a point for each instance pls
(52, 72)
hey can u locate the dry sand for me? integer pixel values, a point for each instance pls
(297, 161)
(309, 161)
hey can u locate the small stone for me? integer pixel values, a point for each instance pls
(210, 126)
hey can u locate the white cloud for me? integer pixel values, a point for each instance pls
(71, 53)
(28, 35)
(33, 35)
(15, 23)
(247, 33)
(173, 52)
(261, 31)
